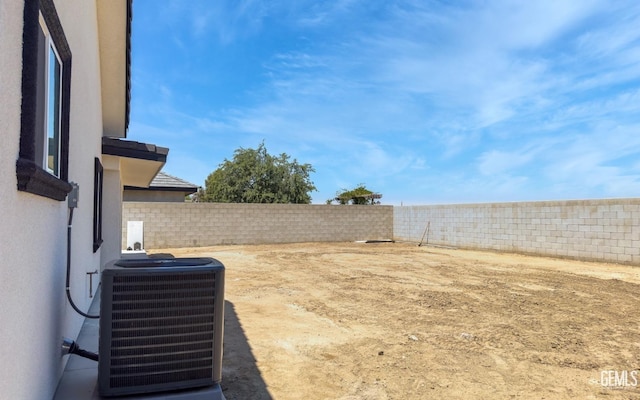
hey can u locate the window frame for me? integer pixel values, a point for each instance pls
(32, 170)
(98, 180)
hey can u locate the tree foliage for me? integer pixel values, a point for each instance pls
(359, 195)
(255, 176)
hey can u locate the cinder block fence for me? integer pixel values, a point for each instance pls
(599, 230)
(207, 224)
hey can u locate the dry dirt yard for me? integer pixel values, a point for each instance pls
(396, 321)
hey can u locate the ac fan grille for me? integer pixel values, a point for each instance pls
(162, 329)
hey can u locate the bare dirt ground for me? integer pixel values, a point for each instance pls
(396, 321)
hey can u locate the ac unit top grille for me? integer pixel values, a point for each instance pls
(156, 283)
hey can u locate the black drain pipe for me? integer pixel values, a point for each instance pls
(69, 270)
(71, 347)
(68, 345)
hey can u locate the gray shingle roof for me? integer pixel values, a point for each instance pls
(166, 181)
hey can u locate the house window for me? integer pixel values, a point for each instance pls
(49, 89)
(46, 77)
(54, 94)
(97, 204)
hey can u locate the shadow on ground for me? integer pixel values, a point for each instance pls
(241, 378)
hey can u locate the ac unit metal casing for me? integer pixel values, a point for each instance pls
(161, 325)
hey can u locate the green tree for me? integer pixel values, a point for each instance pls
(359, 195)
(255, 176)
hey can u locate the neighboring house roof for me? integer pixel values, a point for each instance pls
(169, 183)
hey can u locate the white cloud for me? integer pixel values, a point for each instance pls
(489, 100)
(614, 39)
(496, 162)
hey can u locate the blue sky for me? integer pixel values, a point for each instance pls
(423, 101)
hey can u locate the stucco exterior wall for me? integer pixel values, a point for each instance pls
(34, 315)
(111, 210)
(602, 230)
(208, 224)
(78, 19)
(28, 278)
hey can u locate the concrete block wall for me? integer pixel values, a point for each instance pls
(170, 225)
(601, 230)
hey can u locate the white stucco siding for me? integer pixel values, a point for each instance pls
(32, 296)
(79, 21)
(112, 210)
(34, 314)
(10, 87)
(30, 258)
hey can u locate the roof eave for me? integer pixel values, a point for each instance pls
(139, 162)
(114, 36)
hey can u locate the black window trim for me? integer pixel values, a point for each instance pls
(97, 204)
(31, 176)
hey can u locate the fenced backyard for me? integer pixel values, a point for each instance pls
(313, 312)
(354, 321)
(596, 230)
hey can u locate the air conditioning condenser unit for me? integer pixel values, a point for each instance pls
(161, 325)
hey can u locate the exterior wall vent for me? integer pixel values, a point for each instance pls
(161, 325)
